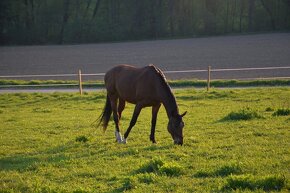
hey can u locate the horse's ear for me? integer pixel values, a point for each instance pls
(183, 114)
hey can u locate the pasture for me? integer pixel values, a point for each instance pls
(234, 140)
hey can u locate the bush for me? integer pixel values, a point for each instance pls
(267, 183)
(158, 166)
(203, 174)
(244, 114)
(41, 110)
(129, 184)
(225, 170)
(282, 112)
(152, 166)
(82, 138)
(171, 169)
(228, 170)
(147, 178)
(269, 109)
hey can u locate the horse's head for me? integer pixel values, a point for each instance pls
(175, 127)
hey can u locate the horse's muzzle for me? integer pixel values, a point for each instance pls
(178, 142)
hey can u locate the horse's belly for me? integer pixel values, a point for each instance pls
(137, 98)
(127, 96)
(129, 99)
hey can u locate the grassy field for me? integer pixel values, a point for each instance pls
(235, 140)
(5, 83)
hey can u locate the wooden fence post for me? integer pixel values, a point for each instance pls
(208, 78)
(80, 82)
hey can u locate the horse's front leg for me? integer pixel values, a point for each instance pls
(155, 110)
(133, 121)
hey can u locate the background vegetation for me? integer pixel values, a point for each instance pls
(235, 140)
(82, 21)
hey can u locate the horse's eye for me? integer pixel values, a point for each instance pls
(181, 124)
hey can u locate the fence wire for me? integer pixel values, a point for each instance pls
(165, 72)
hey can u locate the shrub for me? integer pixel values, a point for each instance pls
(203, 174)
(225, 170)
(269, 109)
(171, 169)
(240, 182)
(282, 112)
(147, 178)
(228, 170)
(158, 166)
(267, 183)
(243, 114)
(271, 183)
(129, 184)
(82, 138)
(41, 110)
(152, 166)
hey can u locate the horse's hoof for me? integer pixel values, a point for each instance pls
(119, 137)
(124, 141)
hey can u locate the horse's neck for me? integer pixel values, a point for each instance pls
(169, 102)
(165, 94)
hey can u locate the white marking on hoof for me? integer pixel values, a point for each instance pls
(118, 137)
(124, 141)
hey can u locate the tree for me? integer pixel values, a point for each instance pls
(268, 5)
(251, 4)
(241, 15)
(82, 21)
(64, 20)
(210, 16)
(97, 5)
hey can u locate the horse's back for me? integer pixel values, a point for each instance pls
(121, 74)
(131, 83)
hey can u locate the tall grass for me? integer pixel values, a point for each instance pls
(242, 114)
(282, 112)
(249, 182)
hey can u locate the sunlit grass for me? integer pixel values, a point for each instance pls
(173, 83)
(50, 144)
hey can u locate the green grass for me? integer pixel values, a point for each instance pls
(230, 83)
(49, 84)
(48, 144)
(173, 83)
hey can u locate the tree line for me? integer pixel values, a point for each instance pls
(85, 21)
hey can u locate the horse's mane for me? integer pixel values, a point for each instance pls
(164, 83)
(161, 75)
(159, 72)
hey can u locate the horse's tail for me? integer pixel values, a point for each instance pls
(106, 114)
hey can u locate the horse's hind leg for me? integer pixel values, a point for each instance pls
(114, 105)
(121, 107)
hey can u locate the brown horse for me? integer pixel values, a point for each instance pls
(144, 87)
